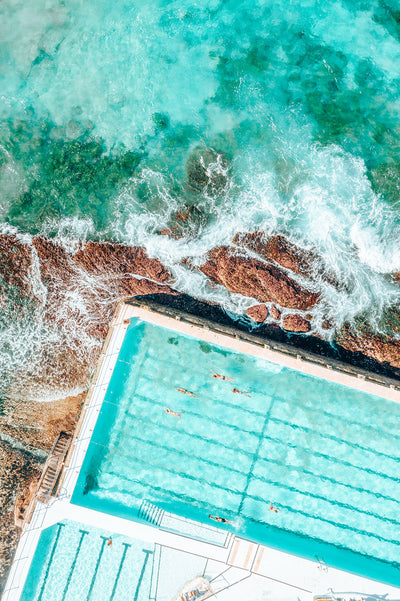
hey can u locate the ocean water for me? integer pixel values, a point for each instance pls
(258, 115)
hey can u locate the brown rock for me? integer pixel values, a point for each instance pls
(15, 262)
(258, 313)
(377, 346)
(104, 257)
(278, 249)
(274, 312)
(76, 295)
(54, 259)
(253, 278)
(290, 256)
(296, 323)
(17, 469)
(326, 324)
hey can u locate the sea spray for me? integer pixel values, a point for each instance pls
(126, 123)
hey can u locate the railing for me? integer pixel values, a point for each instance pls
(266, 343)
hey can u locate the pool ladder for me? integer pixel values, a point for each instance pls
(151, 513)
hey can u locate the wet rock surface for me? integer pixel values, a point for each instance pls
(17, 471)
(42, 279)
(73, 296)
(253, 278)
(295, 323)
(281, 251)
(382, 349)
(278, 249)
(258, 313)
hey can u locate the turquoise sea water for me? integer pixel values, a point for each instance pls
(326, 456)
(73, 561)
(280, 116)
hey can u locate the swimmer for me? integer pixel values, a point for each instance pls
(240, 392)
(109, 542)
(216, 518)
(272, 508)
(177, 414)
(220, 377)
(184, 391)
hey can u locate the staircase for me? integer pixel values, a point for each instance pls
(151, 513)
(53, 467)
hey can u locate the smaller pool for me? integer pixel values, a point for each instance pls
(77, 562)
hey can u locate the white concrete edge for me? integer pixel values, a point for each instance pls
(242, 346)
(305, 575)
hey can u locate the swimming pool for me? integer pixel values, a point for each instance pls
(325, 456)
(75, 561)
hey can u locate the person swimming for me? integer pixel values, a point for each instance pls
(272, 508)
(220, 377)
(177, 414)
(236, 390)
(184, 391)
(217, 518)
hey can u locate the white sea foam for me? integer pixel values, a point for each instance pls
(334, 212)
(119, 64)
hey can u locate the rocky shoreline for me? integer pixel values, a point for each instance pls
(75, 292)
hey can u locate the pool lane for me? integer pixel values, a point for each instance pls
(325, 456)
(75, 561)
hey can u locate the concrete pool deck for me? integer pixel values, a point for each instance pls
(242, 563)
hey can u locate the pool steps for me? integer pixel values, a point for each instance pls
(351, 510)
(184, 526)
(151, 513)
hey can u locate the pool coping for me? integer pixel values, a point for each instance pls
(302, 576)
(248, 343)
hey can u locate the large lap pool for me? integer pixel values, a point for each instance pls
(325, 456)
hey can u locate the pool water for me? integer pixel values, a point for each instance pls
(325, 456)
(75, 561)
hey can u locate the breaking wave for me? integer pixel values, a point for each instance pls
(250, 116)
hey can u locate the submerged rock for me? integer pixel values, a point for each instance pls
(206, 167)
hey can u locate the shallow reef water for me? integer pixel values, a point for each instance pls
(254, 115)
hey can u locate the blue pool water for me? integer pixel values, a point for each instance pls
(73, 561)
(326, 456)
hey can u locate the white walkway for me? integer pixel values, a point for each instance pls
(242, 570)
